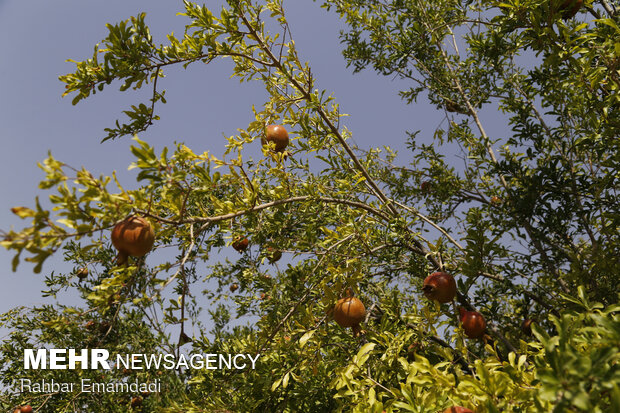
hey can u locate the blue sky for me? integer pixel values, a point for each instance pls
(36, 37)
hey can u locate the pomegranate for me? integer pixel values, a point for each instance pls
(439, 286)
(526, 326)
(569, 8)
(240, 244)
(82, 273)
(278, 135)
(473, 323)
(133, 236)
(273, 255)
(233, 287)
(26, 408)
(349, 312)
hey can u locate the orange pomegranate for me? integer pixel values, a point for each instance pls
(240, 244)
(349, 312)
(133, 236)
(278, 135)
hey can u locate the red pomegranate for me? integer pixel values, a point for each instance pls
(473, 323)
(440, 286)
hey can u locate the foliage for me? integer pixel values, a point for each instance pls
(527, 222)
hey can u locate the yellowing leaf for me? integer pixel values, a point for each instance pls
(23, 212)
(66, 222)
(276, 384)
(304, 339)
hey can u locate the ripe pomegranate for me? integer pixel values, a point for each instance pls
(240, 244)
(458, 409)
(473, 323)
(439, 286)
(26, 408)
(569, 8)
(278, 135)
(526, 326)
(425, 186)
(234, 288)
(349, 312)
(495, 200)
(133, 236)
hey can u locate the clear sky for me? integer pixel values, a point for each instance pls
(37, 36)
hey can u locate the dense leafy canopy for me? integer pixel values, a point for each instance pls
(526, 221)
